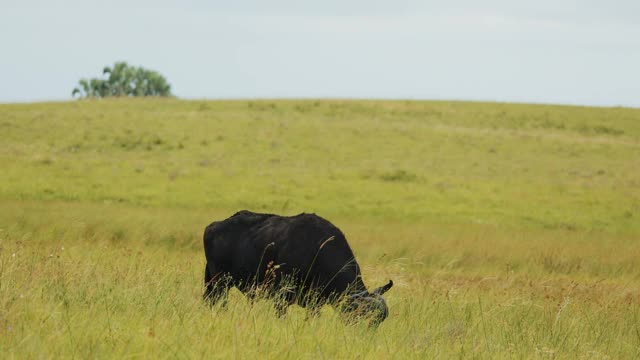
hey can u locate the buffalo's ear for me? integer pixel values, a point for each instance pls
(383, 289)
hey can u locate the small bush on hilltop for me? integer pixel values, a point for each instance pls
(124, 80)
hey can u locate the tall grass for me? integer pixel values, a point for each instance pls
(509, 230)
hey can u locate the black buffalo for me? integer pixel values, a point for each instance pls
(300, 259)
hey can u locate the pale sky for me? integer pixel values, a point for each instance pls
(568, 52)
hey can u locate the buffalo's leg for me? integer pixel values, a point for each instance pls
(281, 307)
(313, 311)
(283, 299)
(216, 285)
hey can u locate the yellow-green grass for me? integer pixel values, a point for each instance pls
(509, 230)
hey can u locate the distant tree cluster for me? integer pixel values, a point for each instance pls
(123, 80)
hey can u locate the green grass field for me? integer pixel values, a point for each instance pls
(511, 231)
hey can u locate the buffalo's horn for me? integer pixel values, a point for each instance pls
(383, 289)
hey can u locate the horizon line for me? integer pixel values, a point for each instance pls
(329, 98)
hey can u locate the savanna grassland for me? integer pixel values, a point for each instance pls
(511, 231)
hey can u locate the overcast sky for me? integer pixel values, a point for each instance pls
(550, 51)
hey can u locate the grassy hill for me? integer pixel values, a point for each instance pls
(510, 229)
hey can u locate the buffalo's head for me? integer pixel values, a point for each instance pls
(369, 304)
